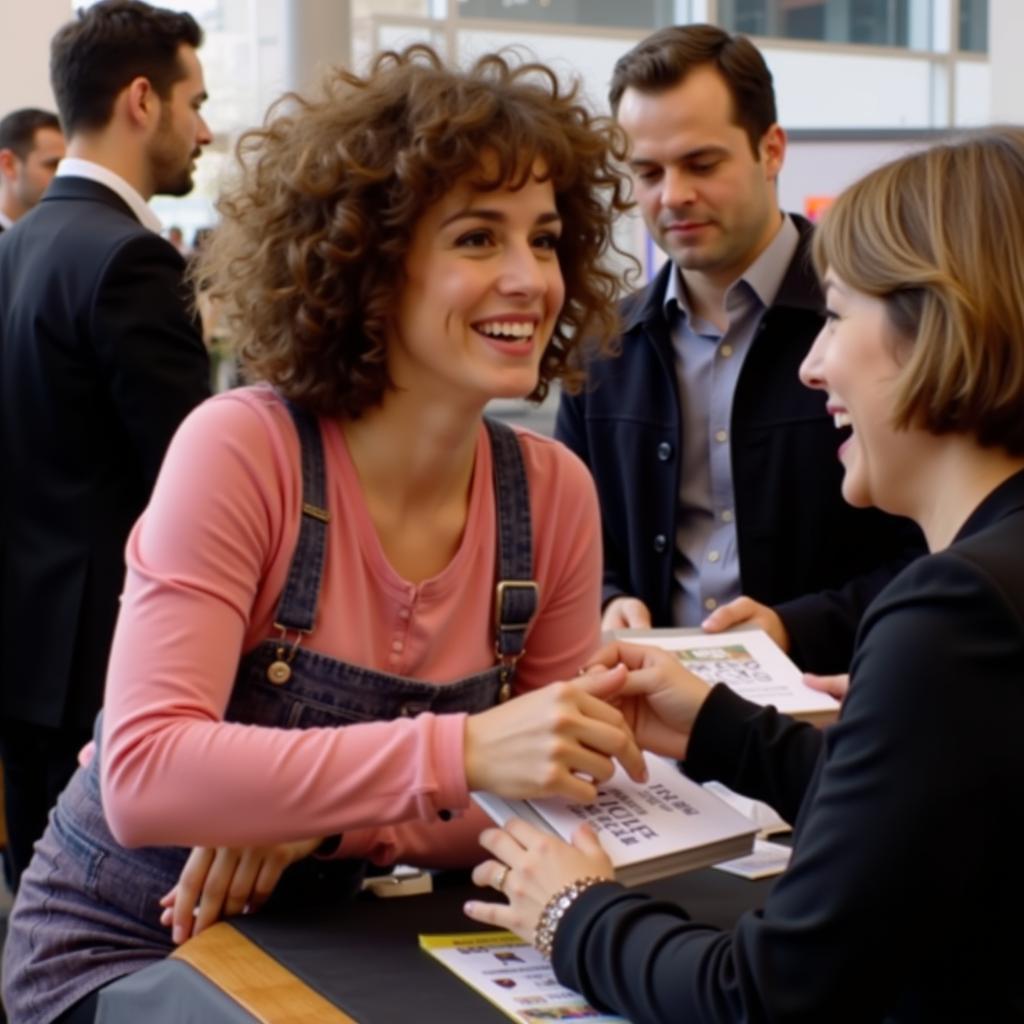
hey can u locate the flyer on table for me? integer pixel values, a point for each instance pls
(513, 976)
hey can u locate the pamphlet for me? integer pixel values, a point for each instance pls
(663, 827)
(747, 661)
(513, 976)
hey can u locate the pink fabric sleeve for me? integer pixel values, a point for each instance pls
(172, 771)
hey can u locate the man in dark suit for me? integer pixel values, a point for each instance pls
(31, 146)
(100, 360)
(715, 468)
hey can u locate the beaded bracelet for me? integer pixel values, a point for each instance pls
(555, 909)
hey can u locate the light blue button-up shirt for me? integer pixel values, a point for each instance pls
(708, 364)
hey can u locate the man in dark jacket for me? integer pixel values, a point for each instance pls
(100, 360)
(717, 471)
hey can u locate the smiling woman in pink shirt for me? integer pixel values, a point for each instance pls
(349, 592)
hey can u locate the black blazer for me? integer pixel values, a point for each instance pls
(802, 549)
(100, 360)
(904, 897)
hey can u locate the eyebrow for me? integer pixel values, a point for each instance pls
(495, 216)
(691, 154)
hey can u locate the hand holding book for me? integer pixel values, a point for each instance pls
(528, 868)
(746, 613)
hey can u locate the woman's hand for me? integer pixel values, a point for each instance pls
(660, 698)
(560, 740)
(220, 882)
(748, 613)
(834, 686)
(528, 868)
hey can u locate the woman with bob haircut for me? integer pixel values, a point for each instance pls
(904, 895)
(345, 571)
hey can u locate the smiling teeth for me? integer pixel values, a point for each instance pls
(507, 330)
(842, 419)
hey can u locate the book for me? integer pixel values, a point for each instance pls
(513, 976)
(747, 661)
(651, 830)
(767, 860)
(764, 817)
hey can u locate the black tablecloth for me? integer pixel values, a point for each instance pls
(364, 956)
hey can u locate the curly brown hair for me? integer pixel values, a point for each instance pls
(308, 259)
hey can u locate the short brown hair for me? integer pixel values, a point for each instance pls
(938, 236)
(95, 56)
(18, 129)
(662, 60)
(309, 257)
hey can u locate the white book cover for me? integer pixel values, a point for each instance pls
(749, 662)
(665, 826)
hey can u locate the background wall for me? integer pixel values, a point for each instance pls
(24, 67)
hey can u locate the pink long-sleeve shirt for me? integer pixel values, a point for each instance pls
(206, 566)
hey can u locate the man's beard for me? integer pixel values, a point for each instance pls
(179, 184)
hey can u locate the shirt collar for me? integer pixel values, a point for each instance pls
(763, 277)
(76, 167)
(5, 222)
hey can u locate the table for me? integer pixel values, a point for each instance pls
(355, 964)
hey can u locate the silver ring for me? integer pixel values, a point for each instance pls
(499, 881)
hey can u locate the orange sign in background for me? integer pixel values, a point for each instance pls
(815, 206)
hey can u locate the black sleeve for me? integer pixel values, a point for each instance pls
(753, 750)
(882, 897)
(571, 430)
(149, 346)
(822, 626)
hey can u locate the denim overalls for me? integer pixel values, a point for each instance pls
(87, 909)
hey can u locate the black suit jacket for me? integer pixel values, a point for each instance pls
(904, 897)
(100, 360)
(802, 549)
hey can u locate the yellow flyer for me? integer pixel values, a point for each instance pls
(513, 976)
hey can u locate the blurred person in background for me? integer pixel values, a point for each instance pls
(31, 146)
(715, 470)
(100, 360)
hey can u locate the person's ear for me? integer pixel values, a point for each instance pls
(772, 150)
(8, 164)
(140, 102)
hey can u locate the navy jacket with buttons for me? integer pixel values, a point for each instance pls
(802, 549)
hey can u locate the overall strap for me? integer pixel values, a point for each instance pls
(297, 609)
(515, 598)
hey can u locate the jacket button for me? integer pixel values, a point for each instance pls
(664, 451)
(660, 543)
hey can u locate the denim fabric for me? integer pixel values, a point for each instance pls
(87, 911)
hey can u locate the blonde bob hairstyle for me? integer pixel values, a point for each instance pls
(938, 236)
(308, 259)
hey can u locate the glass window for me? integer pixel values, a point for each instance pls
(416, 8)
(874, 22)
(608, 13)
(974, 26)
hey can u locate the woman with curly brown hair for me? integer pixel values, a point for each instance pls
(346, 571)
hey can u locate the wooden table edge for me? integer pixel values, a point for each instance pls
(255, 980)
